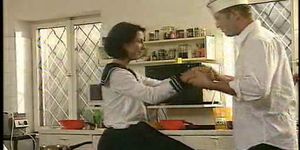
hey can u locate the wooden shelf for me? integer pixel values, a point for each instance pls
(141, 62)
(174, 40)
(185, 106)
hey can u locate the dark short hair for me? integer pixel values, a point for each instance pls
(243, 9)
(119, 35)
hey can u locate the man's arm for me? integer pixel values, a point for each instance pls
(222, 86)
(202, 80)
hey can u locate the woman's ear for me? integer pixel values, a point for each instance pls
(125, 46)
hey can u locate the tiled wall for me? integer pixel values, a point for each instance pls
(10, 84)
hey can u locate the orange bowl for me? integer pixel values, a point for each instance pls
(72, 124)
(172, 124)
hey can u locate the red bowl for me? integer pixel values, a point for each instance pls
(172, 124)
(72, 124)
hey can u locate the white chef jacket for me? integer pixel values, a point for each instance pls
(124, 96)
(264, 108)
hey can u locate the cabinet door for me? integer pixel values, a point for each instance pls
(95, 141)
(64, 139)
(201, 142)
(225, 143)
(178, 138)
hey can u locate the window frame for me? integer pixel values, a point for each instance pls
(69, 23)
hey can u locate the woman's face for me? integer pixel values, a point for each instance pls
(135, 48)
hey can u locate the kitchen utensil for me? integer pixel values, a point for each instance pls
(72, 124)
(64, 147)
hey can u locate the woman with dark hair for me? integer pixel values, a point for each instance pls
(125, 92)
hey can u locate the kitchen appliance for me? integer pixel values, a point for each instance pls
(189, 95)
(14, 123)
(95, 94)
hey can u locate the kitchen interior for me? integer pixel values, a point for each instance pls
(54, 58)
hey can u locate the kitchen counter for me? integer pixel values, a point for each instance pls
(167, 132)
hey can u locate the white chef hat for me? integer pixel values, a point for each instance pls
(217, 5)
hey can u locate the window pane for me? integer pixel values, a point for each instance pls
(53, 82)
(87, 42)
(276, 16)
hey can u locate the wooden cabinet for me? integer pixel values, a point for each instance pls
(96, 139)
(225, 143)
(65, 139)
(194, 139)
(209, 142)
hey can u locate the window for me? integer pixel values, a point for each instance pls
(276, 17)
(66, 60)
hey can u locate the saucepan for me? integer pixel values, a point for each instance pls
(64, 147)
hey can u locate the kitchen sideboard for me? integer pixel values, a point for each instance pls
(197, 139)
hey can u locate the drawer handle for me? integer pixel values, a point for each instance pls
(216, 138)
(63, 139)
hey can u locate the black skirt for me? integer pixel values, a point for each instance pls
(138, 137)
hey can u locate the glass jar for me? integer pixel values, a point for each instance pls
(151, 36)
(189, 32)
(168, 32)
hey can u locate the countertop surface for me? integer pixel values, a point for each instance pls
(167, 132)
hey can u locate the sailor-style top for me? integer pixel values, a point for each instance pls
(124, 93)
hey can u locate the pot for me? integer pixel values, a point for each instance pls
(64, 147)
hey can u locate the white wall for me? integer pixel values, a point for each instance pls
(152, 14)
(149, 13)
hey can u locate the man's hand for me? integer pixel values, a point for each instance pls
(200, 80)
(225, 78)
(211, 73)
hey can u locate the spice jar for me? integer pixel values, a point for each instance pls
(168, 32)
(179, 33)
(156, 34)
(203, 32)
(182, 51)
(190, 32)
(151, 36)
(196, 32)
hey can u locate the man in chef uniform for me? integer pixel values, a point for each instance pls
(264, 105)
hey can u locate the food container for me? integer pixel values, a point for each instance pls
(172, 53)
(203, 32)
(162, 54)
(169, 32)
(190, 32)
(223, 118)
(196, 32)
(172, 124)
(179, 33)
(151, 36)
(72, 124)
(156, 35)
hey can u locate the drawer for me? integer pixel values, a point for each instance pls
(178, 138)
(225, 143)
(201, 142)
(65, 139)
(95, 141)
